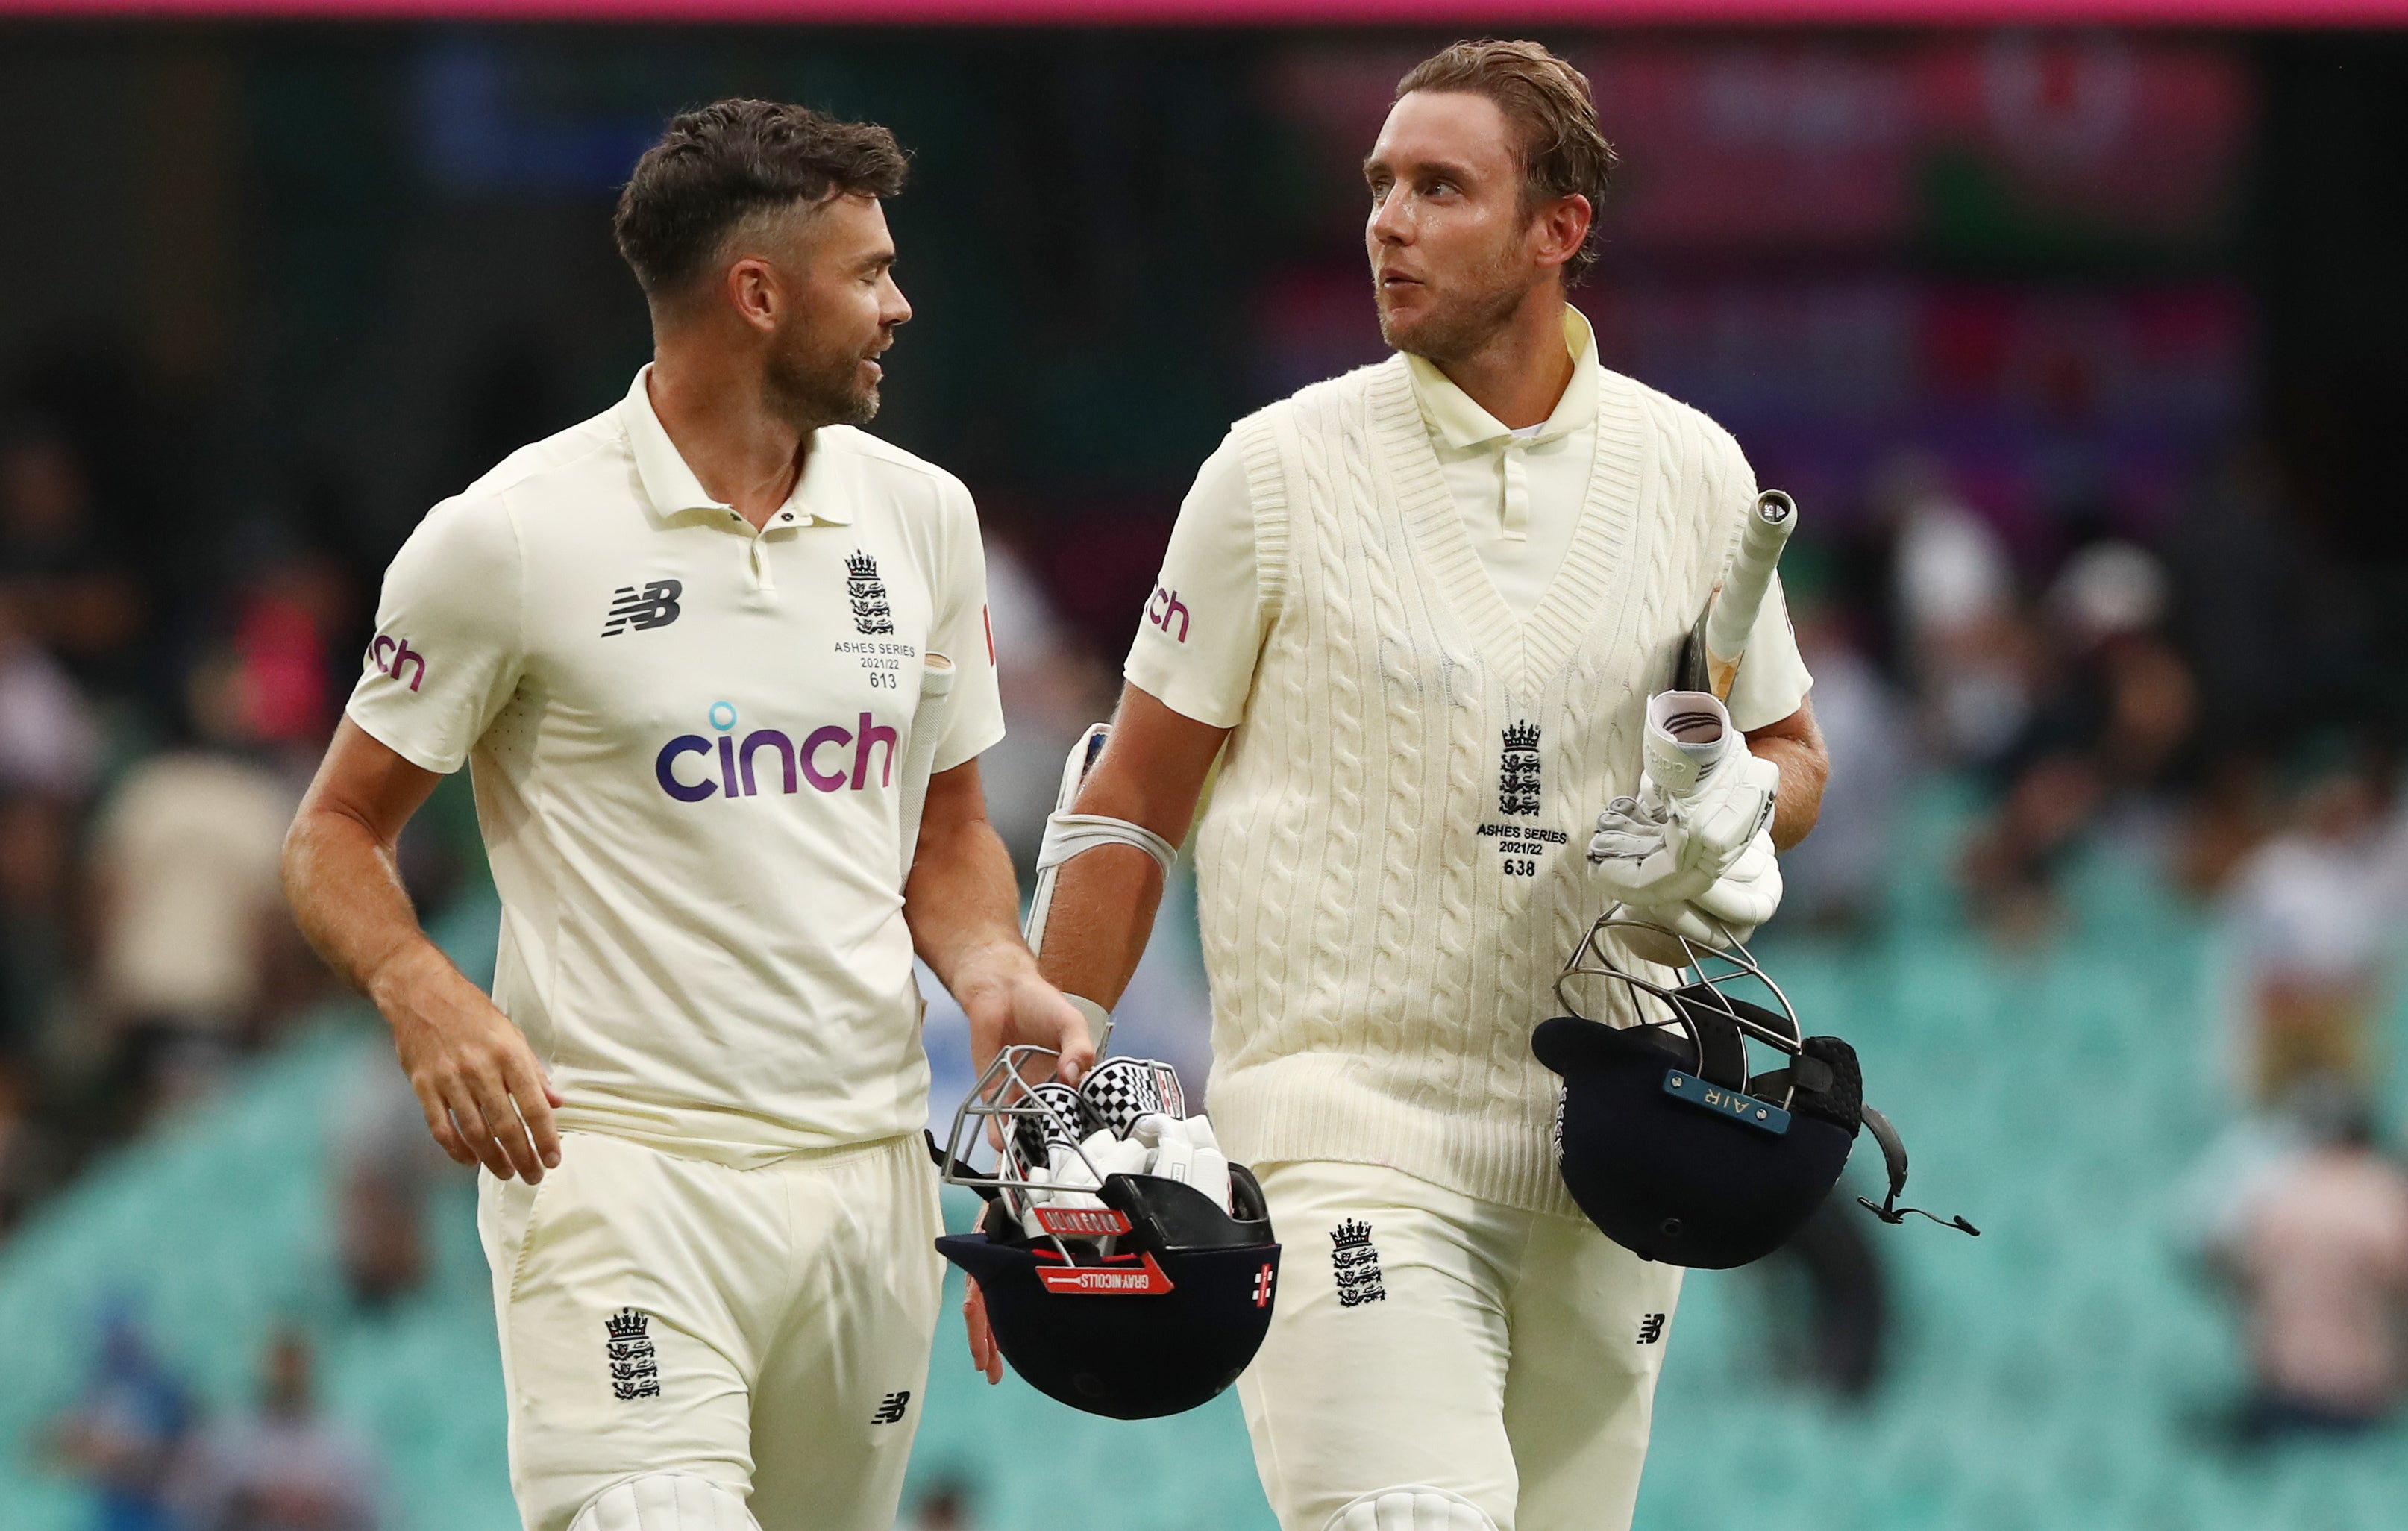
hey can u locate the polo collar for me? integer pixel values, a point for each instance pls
(674, 492)
(1457, 423)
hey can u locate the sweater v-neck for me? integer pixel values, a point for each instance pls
(1523, 652)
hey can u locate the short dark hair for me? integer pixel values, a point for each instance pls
(1553, 117)
(718, 165)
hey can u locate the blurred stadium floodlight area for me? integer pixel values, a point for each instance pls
(2073, 327)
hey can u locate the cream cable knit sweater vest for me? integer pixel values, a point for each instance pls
(1390, 870)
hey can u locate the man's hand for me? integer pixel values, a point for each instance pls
(1009, 1005)
(965, 917)
(986, 1355)
(486, 1097)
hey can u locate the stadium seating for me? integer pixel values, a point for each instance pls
(2065, 1372)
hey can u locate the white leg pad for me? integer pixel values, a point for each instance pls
(1411, 1507)
(665, 1501)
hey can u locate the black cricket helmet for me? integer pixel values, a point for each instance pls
(1145, 1297)
(1665, 1138)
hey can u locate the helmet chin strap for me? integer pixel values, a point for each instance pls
(1894, 1156)
(958, 1171)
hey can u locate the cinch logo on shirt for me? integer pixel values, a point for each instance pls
(387, 655)
(1162, 607)
(741, 763)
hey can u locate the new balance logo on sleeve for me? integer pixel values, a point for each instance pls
(1651, 1328)
(891, 1407)
(640, 611)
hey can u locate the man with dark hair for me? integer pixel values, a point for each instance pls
(697, 651)
(1421, 609)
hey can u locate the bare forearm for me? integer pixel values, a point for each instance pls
(1799, 802)
(964, 911)
(486, 1096)
(347, 896)
(1104, 901)
(1104, 904)
(963, 905)
(1796, 745)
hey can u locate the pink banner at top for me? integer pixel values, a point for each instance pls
(1485, 14)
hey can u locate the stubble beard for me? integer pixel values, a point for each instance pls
(1457, 328)
(808, 393)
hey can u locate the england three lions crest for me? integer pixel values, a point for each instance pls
(871, 614)
(1355, 1265)
(635, 1366)
(1517, 772)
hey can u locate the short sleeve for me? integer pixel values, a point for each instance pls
(445, 657)
(1772, 680)
(1202, 627)
(962, 633)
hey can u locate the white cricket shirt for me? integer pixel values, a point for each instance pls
(687, 738)
(1520, 494)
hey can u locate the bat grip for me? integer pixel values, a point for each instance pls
(1762, 535)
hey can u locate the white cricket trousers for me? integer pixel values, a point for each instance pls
(765, 1329)
(1425, 1337)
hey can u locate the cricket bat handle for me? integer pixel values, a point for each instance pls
(1731, 614)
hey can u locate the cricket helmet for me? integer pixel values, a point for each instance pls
(1142, 1296)
(1673, 1148)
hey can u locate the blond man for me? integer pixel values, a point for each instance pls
(1416, 613)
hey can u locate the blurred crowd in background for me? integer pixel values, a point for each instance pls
(2053, 338)
(159, 1465)
(149, 758)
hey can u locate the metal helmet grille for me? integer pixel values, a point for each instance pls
(1029, 1117)
(1140, 1294)
(1717, 970)
(1695, 1158)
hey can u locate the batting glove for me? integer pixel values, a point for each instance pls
(1727, 913)
(1703, 798)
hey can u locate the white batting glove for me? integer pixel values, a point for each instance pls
(1717, 796)
(1702, 799)
(1185, 1150)
(1636, 858)
(1070, 1180)
(1747, 894)
(1727, 913)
